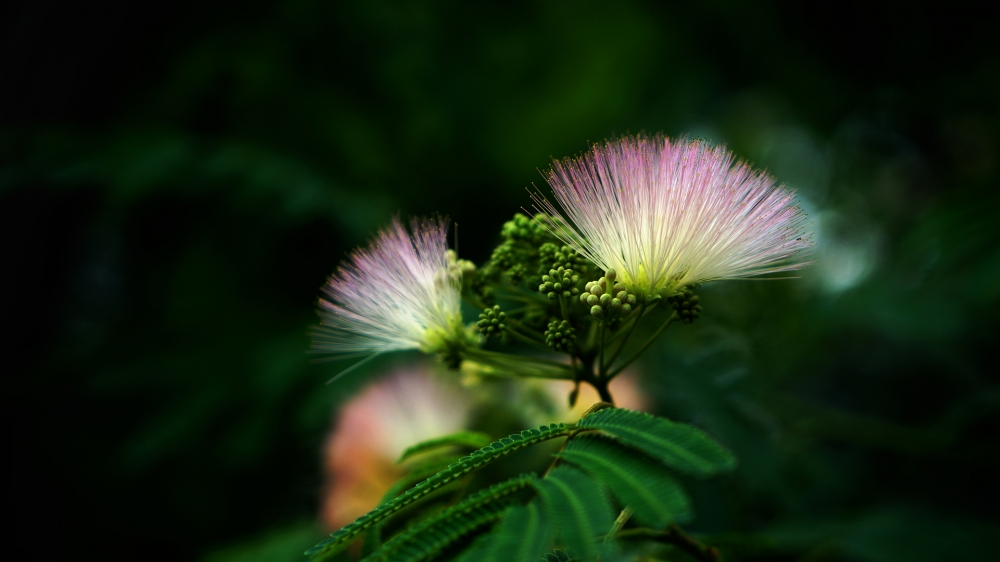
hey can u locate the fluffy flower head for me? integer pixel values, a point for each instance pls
(668, 213)
(400, 292)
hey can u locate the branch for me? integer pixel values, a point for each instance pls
(644, 346)
(679, 538)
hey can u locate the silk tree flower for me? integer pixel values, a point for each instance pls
(372, 430)
(400, 292)
(669, 213)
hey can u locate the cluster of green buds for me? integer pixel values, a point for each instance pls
(523, 228)
(686, 305)
(605, 302)
(560, 336)
(516, 259)
(558, 282)
(491, 322)
(553, 256)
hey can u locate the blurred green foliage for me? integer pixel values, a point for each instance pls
(177, 180)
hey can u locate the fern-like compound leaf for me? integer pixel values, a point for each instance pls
(638, 482)
(577, 507)
(677, 445)
(463, 466)
(418, 471)
(467, 439)
(432, 535)
(522, 535)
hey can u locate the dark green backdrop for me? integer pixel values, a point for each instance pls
(177, 179)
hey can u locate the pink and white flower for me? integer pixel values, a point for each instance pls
(669, 213)
(401, 292)
(372, 430)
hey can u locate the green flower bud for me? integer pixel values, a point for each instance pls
(626, 309)
(686, 303)
(611, 274)
(490, 322)
(560, 336)
(592, 300)
(597, 312)
(605, 300)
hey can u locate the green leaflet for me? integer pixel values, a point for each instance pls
(468, 439)
(417, 472)
(576, 506)
(638, 482)
(522, 535)
(426, 538)
(421, 470)
(679, 446)
(463, 466)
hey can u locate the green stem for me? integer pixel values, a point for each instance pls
(526, 339)
(476, 352)
(502, 370)
(628, 334)
(531, 332)
(626, 325)
(678, 537)
(600, 362)
(644, 346)
(592, 335)
(519, 294)
(616, 528)
(538, 367)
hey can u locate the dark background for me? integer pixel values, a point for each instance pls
(177, 179)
